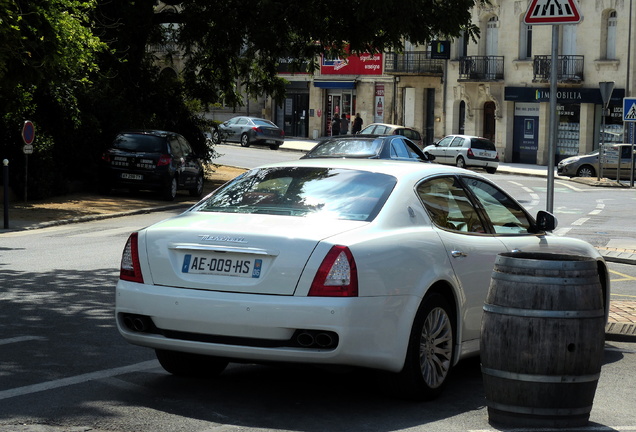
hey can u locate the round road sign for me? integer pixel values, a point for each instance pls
(28, 132)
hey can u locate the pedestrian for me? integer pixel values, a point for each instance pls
(357, 124)
(344, 124)
(335, 125)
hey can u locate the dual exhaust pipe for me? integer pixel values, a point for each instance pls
(139, 323)
(316, 339)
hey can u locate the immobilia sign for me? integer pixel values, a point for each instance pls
(564, 95)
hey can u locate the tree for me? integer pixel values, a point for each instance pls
(47, 58)
(229, 39)
(81, 71)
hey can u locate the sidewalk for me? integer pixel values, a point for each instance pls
(622, 320)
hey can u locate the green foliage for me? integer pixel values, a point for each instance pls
(81, 70)
(230, 39)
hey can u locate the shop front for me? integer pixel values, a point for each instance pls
(579, 122)
(338, 88)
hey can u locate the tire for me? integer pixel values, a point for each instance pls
(169, 192)
(245, 140)
(429, 357)
(216, 137)
(460, 162)
(274, 146)
(586, 171)
(190, 365)
(197, 191)
(490, 170)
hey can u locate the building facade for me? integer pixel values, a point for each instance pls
(497, 86)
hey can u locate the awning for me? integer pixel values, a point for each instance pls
(335, 84)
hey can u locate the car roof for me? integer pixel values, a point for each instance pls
(389, 125)
(359, 136)
(467, 136)
(251, 118)
(154, 132)
(397, 168)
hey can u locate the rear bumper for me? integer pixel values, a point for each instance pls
(482, 163)
(372, 331)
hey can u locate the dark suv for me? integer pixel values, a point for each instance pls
(151, 159)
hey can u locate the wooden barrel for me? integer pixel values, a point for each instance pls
(542, 339)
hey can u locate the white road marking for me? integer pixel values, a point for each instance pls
(591, 428)
(79, 379)
(561, 231)
(580, 221)
(20, 339)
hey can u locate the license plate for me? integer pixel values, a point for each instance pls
(484, 154)
(270, 142)
(230, 266)
(128, 176)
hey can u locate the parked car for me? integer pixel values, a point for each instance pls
(391, 129)
(587, 165)
(367, 147)
(465, 151)
(151, 159)
(367, 263)
(248, 131)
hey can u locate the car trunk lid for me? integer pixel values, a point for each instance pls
(233, 252)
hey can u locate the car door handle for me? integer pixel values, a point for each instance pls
(458, 254)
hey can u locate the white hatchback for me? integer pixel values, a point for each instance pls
(370, 263)
(465, 151)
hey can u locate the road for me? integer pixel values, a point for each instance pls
(64, 367)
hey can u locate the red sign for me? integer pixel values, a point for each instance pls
(364, 64)
(28, 132)
(553, 12)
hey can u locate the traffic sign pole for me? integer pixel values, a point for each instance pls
(552, 12)
(553, 119)
(28, 136)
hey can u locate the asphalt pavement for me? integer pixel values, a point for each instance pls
(622, 319)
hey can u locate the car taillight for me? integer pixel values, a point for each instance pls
(106, 157)
(470, 153)
(130, 269)
(164, 159)
(256, 129)
(337, 275)
(497, 157)
(282, 133)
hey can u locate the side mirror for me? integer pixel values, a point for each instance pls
(546, 221)
(430, 157)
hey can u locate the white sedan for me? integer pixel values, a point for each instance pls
(369, 263)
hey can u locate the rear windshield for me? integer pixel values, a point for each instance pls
(266, 123)
(352, 148)
(482, 144)
(304, 191)
(140, 143)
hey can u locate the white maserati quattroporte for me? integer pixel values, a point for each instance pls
(366, 263)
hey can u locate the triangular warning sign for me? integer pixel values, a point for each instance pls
(553, 12)
(631, 114)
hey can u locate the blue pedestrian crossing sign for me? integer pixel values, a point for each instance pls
(629, 109)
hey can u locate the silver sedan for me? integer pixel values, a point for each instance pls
(588, 165)
(248, 131)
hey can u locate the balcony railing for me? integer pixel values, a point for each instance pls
(167, 48)
(569, 68)
(481, 68)
(413, 62)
